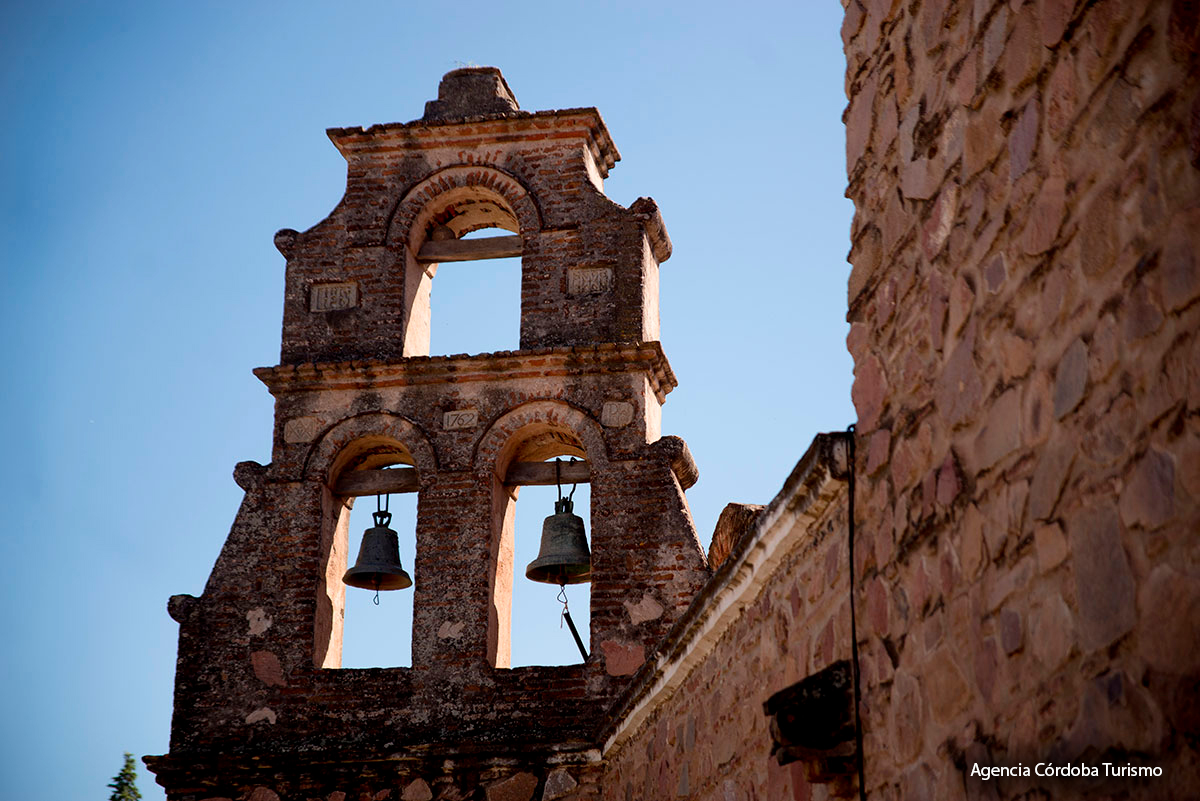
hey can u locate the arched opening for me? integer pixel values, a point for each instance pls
(371, 473)
(529, 621)
(539, 634)
(475, 306)
(463, 276)
(380, 634)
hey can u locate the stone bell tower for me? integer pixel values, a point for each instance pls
(263, 709)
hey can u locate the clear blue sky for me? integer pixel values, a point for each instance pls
(150, 152)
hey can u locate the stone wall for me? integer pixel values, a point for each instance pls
(1024, 315)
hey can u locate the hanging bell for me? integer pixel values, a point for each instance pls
(378, 566)
(564, 557)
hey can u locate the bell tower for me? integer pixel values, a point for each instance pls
(263, 709)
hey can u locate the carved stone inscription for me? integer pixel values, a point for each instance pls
(589, 280)
(332, 297)
(462, 418)
(616, 414)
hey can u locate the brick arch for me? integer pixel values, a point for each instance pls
(418, 209)
(370, 439)
(503, 438)
(421, 202)
(367, 438)
(499, 445)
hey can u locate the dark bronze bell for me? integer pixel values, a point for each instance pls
(564, 557)
(378, 566)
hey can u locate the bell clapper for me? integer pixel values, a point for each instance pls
(566, 615)
(562, 599)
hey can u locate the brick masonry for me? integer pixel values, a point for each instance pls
(262, 708)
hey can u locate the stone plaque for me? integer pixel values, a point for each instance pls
(332, 297)
(616, 414)
(463, 418)
(301, 429)
(589, 280)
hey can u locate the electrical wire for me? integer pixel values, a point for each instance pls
(858, 736)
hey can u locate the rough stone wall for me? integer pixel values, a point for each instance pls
(774, 613)
(1024, 316)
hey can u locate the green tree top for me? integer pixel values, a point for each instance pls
(124, 784)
